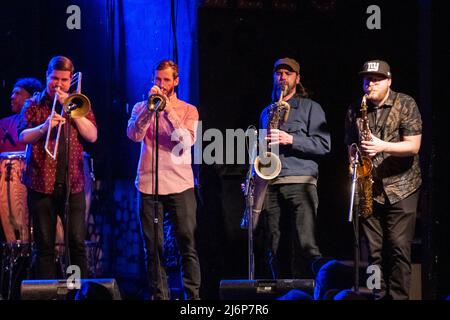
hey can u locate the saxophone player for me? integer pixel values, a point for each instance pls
(291, 200)
(395, 125)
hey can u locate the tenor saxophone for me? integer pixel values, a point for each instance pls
(364, 171)
(267, 166)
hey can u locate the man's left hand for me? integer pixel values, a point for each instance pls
(276, 136)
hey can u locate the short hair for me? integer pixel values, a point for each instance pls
(60, 63)
(332, 275)
(164, 64)
(31, 85)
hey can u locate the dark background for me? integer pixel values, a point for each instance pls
(237, 43)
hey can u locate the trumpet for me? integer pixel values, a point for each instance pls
(77, 105)
(156, 102)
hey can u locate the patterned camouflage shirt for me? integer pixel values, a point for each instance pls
(395, 178)
(41, 169)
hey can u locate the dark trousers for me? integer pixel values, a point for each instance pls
(298, 204)
(44, 209)
(389, 232)
(181, 211)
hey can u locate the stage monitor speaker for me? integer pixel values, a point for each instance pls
(90, 289)
(262, 289)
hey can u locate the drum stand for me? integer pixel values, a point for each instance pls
(12, 252)
(10, 257)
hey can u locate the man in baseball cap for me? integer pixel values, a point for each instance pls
(392, 139)
(299, 136)
(288, 63)
(379, 67)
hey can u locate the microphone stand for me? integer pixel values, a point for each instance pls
(249, 207)
(249, 202)
(68, 187)
(157, 259)
(354, 214)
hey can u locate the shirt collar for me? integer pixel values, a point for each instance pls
(173, 98)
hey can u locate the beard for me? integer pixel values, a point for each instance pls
(168, 92)
(377, 95)
(278, 89)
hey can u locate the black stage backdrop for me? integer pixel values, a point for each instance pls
(237, 47)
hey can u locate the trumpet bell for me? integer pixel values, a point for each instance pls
(78, 105)
(156, 102)
(267, 166)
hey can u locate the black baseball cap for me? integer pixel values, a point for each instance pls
(379, 67)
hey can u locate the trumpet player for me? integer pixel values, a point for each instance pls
(169, 187)
(393, 145)
(291, 201)
(45, 177)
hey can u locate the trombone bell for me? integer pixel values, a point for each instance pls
(77, 105)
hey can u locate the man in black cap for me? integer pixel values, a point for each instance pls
(23, 89)
(291, 200)
(395, 135)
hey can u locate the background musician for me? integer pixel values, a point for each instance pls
(23, 89)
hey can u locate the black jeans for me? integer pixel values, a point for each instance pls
(181, 211)
(297, 203)
(389, 232)
(44, 209)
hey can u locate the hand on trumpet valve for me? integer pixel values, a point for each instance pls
(156, 90)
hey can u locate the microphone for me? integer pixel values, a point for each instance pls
(157, 104)
(358, 155)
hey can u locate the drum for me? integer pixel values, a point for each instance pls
(13, 197)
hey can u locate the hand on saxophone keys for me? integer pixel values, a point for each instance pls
(276, 136)
(371, 148)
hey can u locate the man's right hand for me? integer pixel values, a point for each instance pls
(55, 120)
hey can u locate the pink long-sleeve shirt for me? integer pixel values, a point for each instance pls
(177, 133)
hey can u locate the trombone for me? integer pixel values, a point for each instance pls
(76, 104)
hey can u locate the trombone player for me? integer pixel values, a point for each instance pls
(45, 176)
(291, 200)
